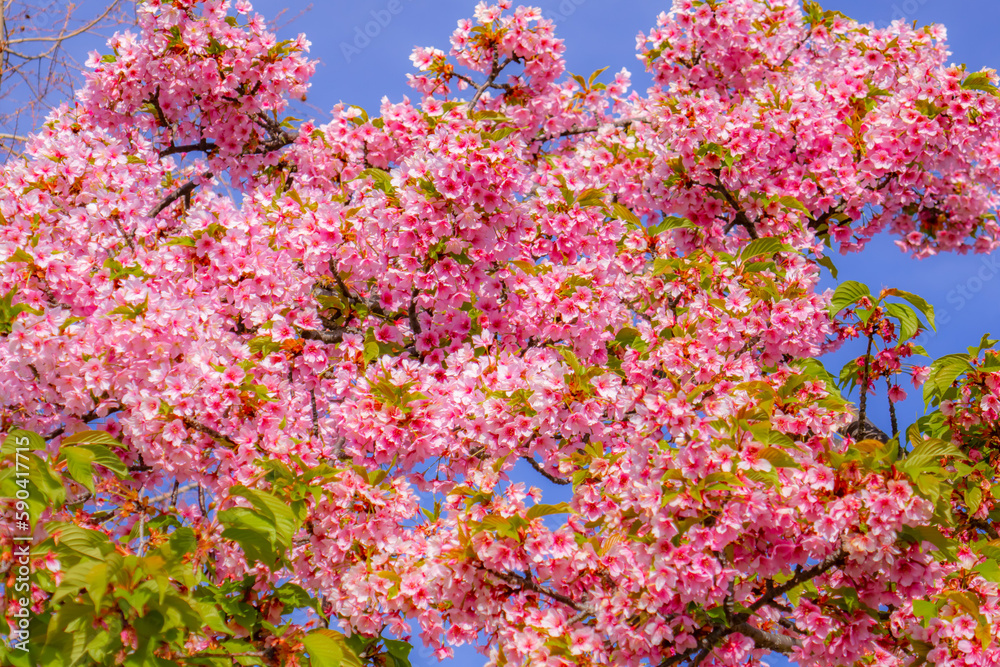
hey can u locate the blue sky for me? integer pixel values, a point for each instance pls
(364, 49)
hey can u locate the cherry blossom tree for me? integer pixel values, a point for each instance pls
(268, 387)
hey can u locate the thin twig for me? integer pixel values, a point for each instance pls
(121, 230)
(494, 73)
(172, 494)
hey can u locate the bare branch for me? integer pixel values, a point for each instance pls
(62, 37)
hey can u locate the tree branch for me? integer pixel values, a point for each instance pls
(800, 576)
(624, 122)
(768, 640)
(210, 432)
(741, 217)
(547, 475)
(182, 191)
(328, 337)
(494, 73)
(524, 583)
(203, 145)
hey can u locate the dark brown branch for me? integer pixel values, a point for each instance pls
(863, 401)
(494, 73)
(526, 584)
(892, 412)
(91, 416)
(203, 145)
(328, 337)
(800, 576)
(183, 191)
(769, 640)
(624, 122)
(741, 217)
(314, 414)
(209, 431)
(985, 527)
(126, 235)
(541, 471)
(412, 312)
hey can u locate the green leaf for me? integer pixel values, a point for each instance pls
(327, 648)
(989, 570)
(72, 541)
(622, 213)
(272, 506)
(980, 81)
(545, 510)
(926, 456)
(926, 610)
(764, 246)
(590, 197)
(21, 256)
(399, 651)
(182, 240)
(926, 309)
(257, 545)
(45, 479)
(973, 499)
(929, 109)
(909, 323)
(380, 179)
(19, 438)
(828, 264)
(670, 222)
(791, 202)
(78, 462)
(92, 438)
(106, 458)
(779, 458)
(943, 373)
(847, 293)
